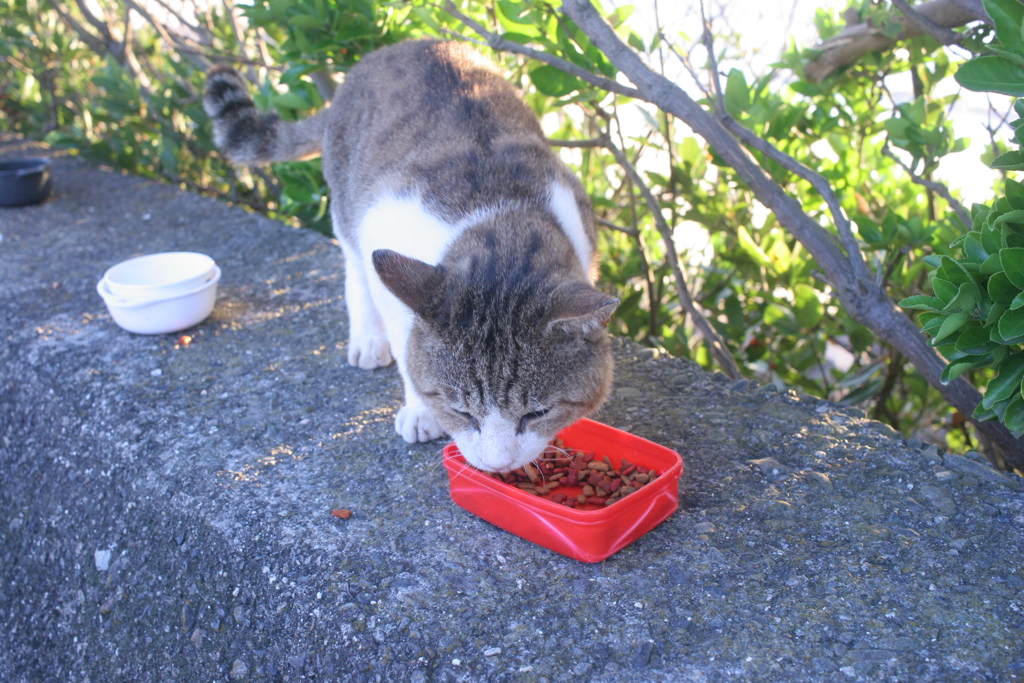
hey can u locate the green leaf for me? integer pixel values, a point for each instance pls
(951, 325)
(944, 289)
(923, 303)
(289, 100)
(965, 300)
(1010, 161)
(957, 273)
(737, 93)
(1011, 324)
(993, 314)
(973, 247)
(809, 310)
(1012, 260)
(1007, 15)
(1011, 371)
(992, 74)
(990, 240)
(868, 230)
(1015, 194)
(752, 249)
(1018, 302)
(554, 82)
(305, 21)
(975, 341)
(992, 265)
(954, 370)
(1013, 416)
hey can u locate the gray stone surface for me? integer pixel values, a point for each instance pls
(164, 509)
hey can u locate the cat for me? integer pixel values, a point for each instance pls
(469, 247)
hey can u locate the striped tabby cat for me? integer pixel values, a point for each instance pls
(469, 247)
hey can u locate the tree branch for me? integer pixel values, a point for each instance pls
(97, 45)
(857, 40)
(715, 342)
(496, 42)
(935, 187)
(577, 144)
(632, 232)
(864, 300)
(942, 35)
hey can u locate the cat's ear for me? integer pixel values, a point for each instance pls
(581, 308)
(412, 281)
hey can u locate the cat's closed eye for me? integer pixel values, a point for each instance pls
(473, 422)
(525, 419)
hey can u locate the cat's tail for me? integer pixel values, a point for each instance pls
(248, 136)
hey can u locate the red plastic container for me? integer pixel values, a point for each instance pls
(585, 535)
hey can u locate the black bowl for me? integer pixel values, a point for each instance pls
(24, 181)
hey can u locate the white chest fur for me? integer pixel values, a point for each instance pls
(567, 211)
(404, 225)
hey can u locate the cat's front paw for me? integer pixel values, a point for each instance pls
(415, 423)
(369, 352)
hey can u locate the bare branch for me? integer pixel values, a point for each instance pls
(229, 8)
(864, 300)
(709, 45)
(101, 26)
(715, 343)
(943, 35)
(936, 187)
(496, 42)
(97, 45)
(577, 144)
(817, 181)
(632, 232)
(856, 40)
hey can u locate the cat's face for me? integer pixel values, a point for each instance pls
(503, 369)
(503, 407)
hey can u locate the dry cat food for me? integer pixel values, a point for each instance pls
(343, 514)
(577, 479)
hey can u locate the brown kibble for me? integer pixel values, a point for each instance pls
(601, 482)
(183, 340)
(341, 514)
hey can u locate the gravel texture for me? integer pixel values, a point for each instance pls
(165, 509)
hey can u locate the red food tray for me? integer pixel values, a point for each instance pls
(585, 535)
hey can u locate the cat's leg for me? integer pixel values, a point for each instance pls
(414, 421)
(368, 346)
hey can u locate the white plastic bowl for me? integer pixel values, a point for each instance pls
(154, 275)
(164, 307)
